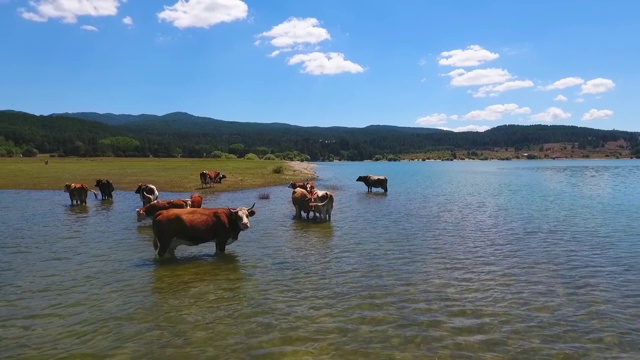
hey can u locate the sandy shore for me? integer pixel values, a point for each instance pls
(303, 170)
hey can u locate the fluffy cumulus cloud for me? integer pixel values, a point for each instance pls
(433, 119)
(461, 77)
(597, 86)
(296, 31)
(473, 55)
(551, 114)
(560, 98)
(89, 28)
(127, 20)
(495, 90)
(203, 13)
(565, 83)
(68, 10)
(318, 63)
(594, 114)
(496, 112)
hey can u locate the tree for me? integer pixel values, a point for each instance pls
(236, 149)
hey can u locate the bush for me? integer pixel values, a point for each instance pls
(251, 156)
(29, 152)
(278, 169)
(229, 156)
(269, 157)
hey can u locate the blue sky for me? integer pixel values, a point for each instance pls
(462, 65)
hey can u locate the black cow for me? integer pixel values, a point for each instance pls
(106, 189)
(373, 182)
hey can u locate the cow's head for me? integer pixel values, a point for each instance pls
(98, 183)
(67, 187)
(362, 178)
(242, 215)
(139, 189)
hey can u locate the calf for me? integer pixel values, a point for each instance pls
(175, 227)
(148, 193)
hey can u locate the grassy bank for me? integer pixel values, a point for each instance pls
(126, 173)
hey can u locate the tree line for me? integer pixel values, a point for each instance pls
(184, 135)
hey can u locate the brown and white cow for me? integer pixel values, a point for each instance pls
(148, 193)
(217, 176)
(175, 227)
(106, 189)
(301, 200)
(78, 193)
(322, 204)
(373, 182)
(149, 211)
(211, 177)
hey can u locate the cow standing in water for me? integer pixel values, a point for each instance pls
(78, 193)
(148, 193)
(106, 189)
(373, 182)
(322, 204)
(175, 227)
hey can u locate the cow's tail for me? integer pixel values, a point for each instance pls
(94, 193)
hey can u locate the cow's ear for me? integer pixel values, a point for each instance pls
(251, 213)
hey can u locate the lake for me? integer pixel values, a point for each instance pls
(482, 260)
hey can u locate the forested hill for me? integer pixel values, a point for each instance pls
(186, 135)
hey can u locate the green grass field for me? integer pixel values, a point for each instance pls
(180, 175)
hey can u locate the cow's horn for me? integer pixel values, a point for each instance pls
(254, 204)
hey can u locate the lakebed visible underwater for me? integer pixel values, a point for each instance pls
(527, 259)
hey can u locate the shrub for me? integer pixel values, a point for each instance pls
(251, 156)
(269, 157)
(264, 196)
(278, 169)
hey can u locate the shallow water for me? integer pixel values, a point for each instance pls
(528, 259)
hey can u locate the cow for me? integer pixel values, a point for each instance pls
(322, 204)
(217, 176)
(301, 200)
(148, 193)
(373, 182)
(306, 185)
(175, 227)
(106, 189)
(149, 211)
(78, 193)
(206, 179)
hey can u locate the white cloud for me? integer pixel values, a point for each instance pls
(460, 77)
(551, 114)
(579, 100)
(565, 83)
(127, 20)
(454, 117)
(69, 10)
(597, 86)
(297, 31)
(203, 13)
(473, 55)
(433, 119)
(560, 98)
(594, 114)
(495, 90)
(496, 112)
(89, 28)
(318, 63)
(478, 128)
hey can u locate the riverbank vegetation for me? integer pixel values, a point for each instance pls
(181, 135)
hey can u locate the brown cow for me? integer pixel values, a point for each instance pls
(148, 193)
(78, 193)
(149, 211)
(301, 200)
(175, 227)
(206, 179)
(322, 204)
(217, 176)
(306, 185)
(373, 182)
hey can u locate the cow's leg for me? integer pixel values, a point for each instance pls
(161, 246)
(221, 246)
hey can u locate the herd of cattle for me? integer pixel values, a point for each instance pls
(185, 222)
